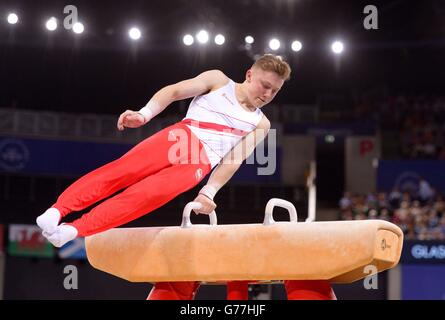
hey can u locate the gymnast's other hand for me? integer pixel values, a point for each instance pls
(130, 119)
(207, 205)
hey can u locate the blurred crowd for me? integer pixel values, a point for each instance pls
(420, 214)
(419, 120)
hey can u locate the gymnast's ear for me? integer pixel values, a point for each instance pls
(249, 75)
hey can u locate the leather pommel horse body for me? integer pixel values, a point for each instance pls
(337, 251)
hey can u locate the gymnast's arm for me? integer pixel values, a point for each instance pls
(203, 83)
(229, 165)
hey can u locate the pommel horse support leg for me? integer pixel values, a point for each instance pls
(308, 255)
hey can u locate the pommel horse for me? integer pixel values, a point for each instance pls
(330, 251)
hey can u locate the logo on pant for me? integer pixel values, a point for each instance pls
(172, 136)
(198, 174)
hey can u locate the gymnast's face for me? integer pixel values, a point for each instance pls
(262, 86)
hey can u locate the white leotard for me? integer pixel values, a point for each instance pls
(219, 121)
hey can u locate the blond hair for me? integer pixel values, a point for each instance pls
(271, 62)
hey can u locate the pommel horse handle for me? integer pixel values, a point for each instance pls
(275, 202)
(186, 223)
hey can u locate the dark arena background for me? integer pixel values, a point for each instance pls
(358, 132)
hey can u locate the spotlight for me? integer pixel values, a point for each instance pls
(188, 40)
(249, 39)
(220, 39)
(51, 24)
(202, 36)
(274, 44)
(337, 47)
(134, 33)
(296, 46)
(78, 28)
(13, 18)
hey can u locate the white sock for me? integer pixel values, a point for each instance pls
(49, 220)
(63, 234)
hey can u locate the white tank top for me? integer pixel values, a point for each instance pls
(219, 121)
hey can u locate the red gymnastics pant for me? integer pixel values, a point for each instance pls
(152, 173)
(238, 290)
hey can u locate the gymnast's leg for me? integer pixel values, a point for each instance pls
(140, 198)
(184, 290)
(237, 290)
(309, 290)
(146, 158)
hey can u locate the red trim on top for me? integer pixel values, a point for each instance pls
(225, 114)
(214, 126)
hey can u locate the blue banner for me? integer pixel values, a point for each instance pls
(423, 282)
(423, 270)
(52, 157)
(423, 252)
(405, 175)
(74, 158)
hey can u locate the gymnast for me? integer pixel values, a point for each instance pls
(223, 125)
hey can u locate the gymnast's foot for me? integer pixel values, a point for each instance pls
(49, 220)
(63, 234)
